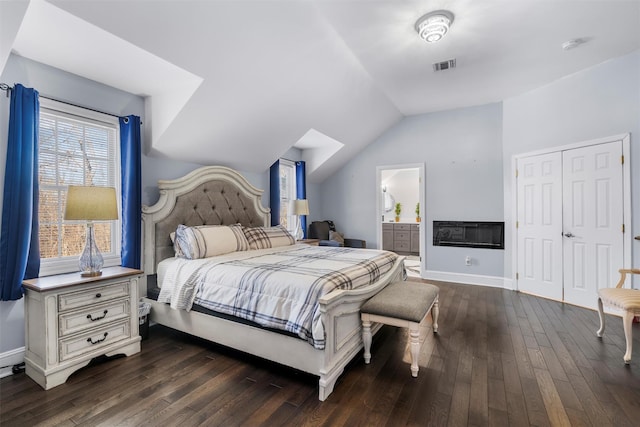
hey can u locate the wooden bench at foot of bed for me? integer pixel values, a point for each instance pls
(402, 304)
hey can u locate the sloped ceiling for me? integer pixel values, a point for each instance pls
(252, 78)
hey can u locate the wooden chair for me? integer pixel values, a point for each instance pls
(624, 299)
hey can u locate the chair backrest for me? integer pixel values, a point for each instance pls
(623, 275)
(319, 230)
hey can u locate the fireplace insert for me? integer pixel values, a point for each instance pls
(469, 234)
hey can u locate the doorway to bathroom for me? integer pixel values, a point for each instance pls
(401, 214)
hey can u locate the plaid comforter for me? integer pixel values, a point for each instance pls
(277, 288)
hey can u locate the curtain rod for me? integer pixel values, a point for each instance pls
(81, 106)
(8, 89)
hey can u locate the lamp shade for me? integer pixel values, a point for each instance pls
(91, 203)
(301, 207)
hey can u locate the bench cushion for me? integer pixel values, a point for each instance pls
(622, 298)
(403, 300)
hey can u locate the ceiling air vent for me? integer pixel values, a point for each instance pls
(444, 65)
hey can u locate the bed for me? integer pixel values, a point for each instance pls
(216, 195)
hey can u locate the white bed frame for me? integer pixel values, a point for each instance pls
(340, 309)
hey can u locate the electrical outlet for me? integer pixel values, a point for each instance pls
(467, 260)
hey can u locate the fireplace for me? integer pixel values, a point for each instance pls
(469, 234)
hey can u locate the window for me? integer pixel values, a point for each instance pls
(287, 193)
(76, 147)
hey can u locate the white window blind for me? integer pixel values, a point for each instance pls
(76, 147)
(287, 193)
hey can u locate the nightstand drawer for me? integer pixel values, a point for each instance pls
(94, 316)
(401, 236)
(92, 296)
(401, 246)
(94, 340)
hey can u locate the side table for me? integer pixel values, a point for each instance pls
(70, 320)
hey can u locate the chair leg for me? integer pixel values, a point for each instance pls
(414, 336)
(435, 312)
(366, 339)
(601, 315)
(627, 320)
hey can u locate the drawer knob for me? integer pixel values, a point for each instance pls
(98, 295)
(93, 319)
(99, 340)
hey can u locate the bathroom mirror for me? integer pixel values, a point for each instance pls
(389, 202)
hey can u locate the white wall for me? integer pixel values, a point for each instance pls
(462, 150)
(598, 102)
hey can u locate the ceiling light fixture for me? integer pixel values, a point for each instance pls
(573, 43)
(434, 25)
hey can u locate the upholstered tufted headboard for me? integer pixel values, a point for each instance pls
(212, 195)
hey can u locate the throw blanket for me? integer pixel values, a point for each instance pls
(277, 288)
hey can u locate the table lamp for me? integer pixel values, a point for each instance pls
(91, 204)
(300, 207)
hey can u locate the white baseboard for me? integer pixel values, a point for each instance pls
(10, 358)
(508, 284)
(469, 279)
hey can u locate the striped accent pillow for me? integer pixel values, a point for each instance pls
(268, 237)
(205, 241)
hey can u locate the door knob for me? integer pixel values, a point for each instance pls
(569, 234)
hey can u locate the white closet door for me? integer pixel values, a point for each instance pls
(592, 221)
(540, 225)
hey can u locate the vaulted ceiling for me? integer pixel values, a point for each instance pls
(240, 82)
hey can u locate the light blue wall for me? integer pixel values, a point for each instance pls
(156, 168)
(467, 153)
(60, 85)
(462, 152)
(57, 84)
(52, 83)
(598, 102)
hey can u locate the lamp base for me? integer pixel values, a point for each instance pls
(299, 233)
(90, 261)
(91, 274)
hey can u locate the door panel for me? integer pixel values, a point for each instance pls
(592, 221)
(540, 225)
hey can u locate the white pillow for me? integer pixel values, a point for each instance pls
(210, 240)
(176, 246)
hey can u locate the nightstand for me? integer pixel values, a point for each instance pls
(311, 242)
(70, 320)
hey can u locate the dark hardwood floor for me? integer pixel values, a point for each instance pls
(501, 358)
